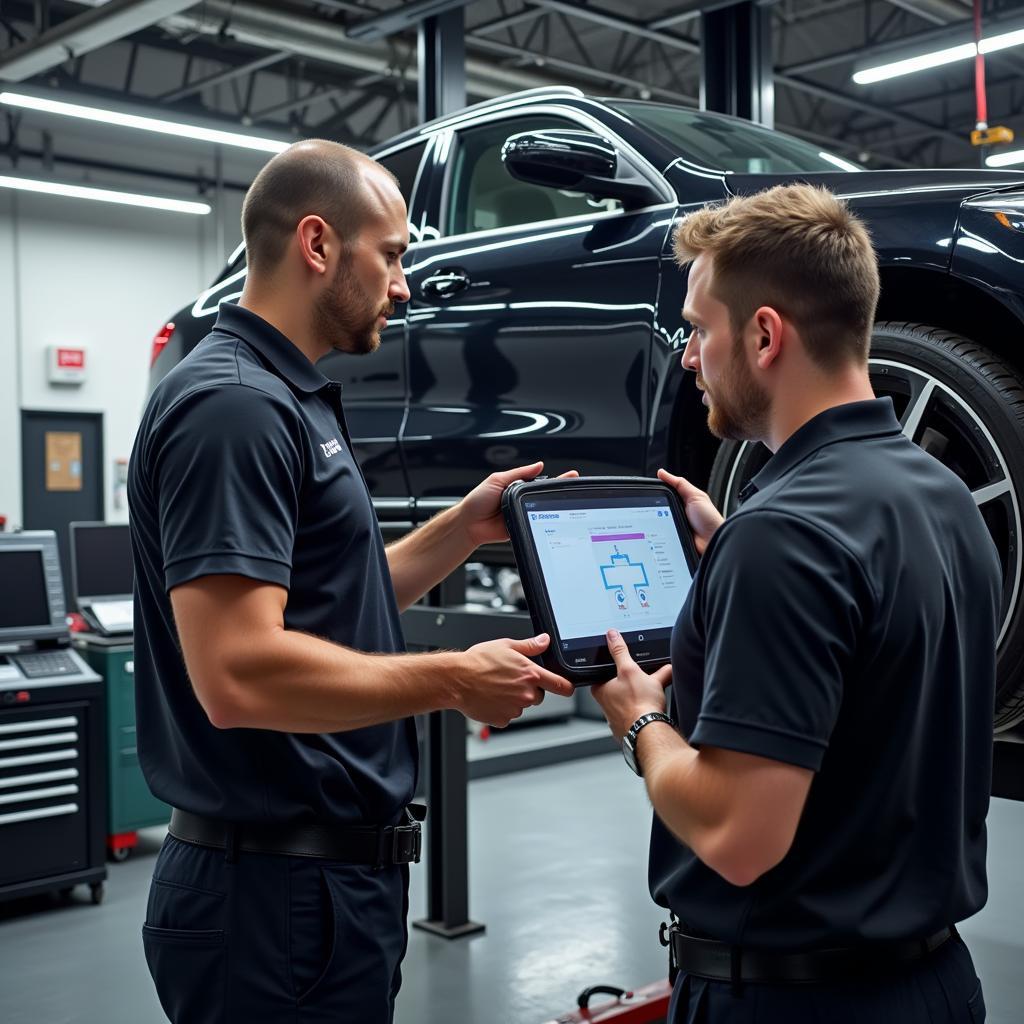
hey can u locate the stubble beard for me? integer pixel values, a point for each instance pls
(738, 406)
(343, 316)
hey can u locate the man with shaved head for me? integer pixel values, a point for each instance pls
(274, 697)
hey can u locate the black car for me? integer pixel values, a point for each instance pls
(545, 316)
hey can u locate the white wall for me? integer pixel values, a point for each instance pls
(10, 417)
(107, 277)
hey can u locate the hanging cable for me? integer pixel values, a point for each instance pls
(980, 99)
(983, 136)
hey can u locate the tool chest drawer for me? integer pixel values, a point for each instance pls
(44, 777)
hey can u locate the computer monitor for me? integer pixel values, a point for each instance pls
(31, 589)
(101, 562)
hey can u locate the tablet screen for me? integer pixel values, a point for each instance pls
(610, 562)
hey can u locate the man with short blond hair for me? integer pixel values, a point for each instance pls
(820, 805)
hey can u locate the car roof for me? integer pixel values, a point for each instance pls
(509, 100)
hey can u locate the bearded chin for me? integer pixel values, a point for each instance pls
(370, 342)
(750, 425)
(722, 425)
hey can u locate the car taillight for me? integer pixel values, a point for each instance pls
(162, 337)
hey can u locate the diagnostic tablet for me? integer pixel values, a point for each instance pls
(596, 553)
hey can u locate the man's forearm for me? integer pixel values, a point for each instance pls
(423, 558)
(669, 763)
(293, 682)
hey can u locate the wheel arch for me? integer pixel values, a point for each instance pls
(942, 300)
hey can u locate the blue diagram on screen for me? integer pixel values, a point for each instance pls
(611, 566)
(623, 576)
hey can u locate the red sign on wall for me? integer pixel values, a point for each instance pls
(71, 358)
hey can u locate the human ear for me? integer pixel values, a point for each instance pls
(768, 325)
(311, 234)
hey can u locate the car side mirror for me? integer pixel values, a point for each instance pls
(578, 161)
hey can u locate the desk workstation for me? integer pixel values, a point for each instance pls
(52, 792)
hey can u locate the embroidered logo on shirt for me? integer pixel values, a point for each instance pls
(331, 447)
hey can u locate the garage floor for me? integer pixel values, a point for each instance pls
(558, 859)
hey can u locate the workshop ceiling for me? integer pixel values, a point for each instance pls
(338, 69)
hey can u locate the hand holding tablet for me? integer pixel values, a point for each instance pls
(596, 553)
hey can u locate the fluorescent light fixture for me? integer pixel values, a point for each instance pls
(1010, 157)
(1003, 41)
(149, 124)
(843, 165)
(103, 195)
(937, 58)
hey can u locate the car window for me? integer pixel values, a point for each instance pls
(484, 196)
(404, 165)
(729, 144)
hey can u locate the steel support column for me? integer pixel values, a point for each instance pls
(447, 782)
(736, 75)
(442, 89)
(442, 64)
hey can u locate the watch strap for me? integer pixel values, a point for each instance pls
(651, 716)
(630, 738)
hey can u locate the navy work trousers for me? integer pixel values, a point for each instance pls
(940, 989)
(274, 939)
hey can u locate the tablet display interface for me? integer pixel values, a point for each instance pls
(610, 562)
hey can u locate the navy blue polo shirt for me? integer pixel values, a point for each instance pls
(844, 619)
(242, 465)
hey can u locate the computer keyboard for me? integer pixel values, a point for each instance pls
(46, 663)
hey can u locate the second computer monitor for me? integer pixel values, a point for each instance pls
(101, 562)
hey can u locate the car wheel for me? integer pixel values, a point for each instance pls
(965, 405)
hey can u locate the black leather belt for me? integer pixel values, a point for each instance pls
(720, 961)
(375, 847)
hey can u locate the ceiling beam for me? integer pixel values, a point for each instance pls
(951, 33)
(273, 28)
(401, 18)
(239, 71)
(581, 71)
(84, 33)
(938, 12)
(793, 82)
(288, 106)
(497, 24)
(619, 24)
(263, 25)
(813, 89)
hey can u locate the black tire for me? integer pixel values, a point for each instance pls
(968, 405)
(119, 853)
(97, 892)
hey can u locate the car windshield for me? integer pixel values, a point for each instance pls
(728, 143)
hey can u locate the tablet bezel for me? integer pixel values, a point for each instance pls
(650, 655)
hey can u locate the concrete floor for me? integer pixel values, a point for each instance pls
(558, 858)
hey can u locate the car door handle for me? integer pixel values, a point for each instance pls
(444, 284)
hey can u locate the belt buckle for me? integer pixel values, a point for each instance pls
(406, 844)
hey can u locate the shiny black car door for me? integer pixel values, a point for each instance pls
(530, 322)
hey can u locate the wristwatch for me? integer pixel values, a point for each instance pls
(629, 740)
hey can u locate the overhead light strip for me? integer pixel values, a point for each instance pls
(149, 124)
(1007, 159)
(937, 58)
(838, 161)
(104, 195)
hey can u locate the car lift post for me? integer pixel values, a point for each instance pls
(736, 75)
(442, 64)
(442, 90)
(447, 784)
